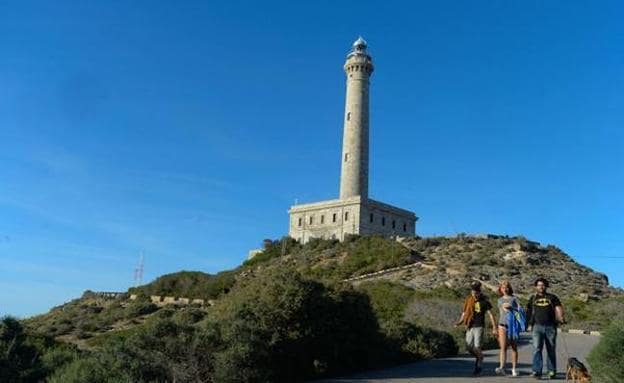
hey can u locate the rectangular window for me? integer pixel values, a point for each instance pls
(383, 221)
(334, 218)
(311, 220)
(371, 218)
(299, 222)
(322, 219)
(404, 227)
(393, 224)
(346, 215)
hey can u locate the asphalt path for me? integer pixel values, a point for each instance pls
(459, 369)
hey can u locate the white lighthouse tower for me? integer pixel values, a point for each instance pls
(354, 174)
(354, 212)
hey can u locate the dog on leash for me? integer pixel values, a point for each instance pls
(577, 371)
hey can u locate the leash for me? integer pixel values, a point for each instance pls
(565, 343)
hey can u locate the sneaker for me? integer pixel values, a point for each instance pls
(500, 371)
(514, 373)
(536, 375)
(552, 375)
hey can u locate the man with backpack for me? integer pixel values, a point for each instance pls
(544, 313)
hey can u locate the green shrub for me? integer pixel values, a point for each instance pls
(139, 308)
(273, 249)
(415, 342)
(57, 357)
(189, 315)
(594, 315)
(19, 361)
(89, 370)
(373, 253)
(388, 299)
(606, 358)
(189, 284)
(282, 327)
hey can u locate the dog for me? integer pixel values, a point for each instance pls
(577, 371)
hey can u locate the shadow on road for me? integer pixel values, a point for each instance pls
(437, 368)
(459, 369)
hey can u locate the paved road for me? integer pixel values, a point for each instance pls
(459, 369)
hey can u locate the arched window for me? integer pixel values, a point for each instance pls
(346, 215)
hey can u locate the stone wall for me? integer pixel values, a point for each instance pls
(105, 294)
(160, 301)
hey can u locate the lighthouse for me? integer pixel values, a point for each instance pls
(354, 171)
(354, 212)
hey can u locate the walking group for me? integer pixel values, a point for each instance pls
(541, 317)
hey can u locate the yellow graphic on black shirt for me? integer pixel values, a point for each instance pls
(542, 302)
(477, 307)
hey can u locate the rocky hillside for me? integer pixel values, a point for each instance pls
(439, 262)
(457, 260)
(452, 262)
(295, 312)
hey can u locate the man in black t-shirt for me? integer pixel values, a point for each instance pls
(544, 312)
(473, 317)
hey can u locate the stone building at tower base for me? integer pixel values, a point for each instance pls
(334, 219)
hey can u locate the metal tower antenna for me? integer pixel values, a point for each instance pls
(138, 272)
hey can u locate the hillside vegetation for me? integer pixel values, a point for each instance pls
(288, 315)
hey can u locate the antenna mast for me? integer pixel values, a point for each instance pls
(138, 272)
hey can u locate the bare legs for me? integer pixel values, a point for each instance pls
(503, 342)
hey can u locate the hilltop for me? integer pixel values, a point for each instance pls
(439, 264)
(296, 312)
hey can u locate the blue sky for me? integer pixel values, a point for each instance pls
(185, 130)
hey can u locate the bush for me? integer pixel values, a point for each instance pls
(139, 308)
(606, 358)
(388, 299)
(274, 249)
(416, 342)
(189, 284)
(282, 327)
(594, 315)
(19, 361)
(57, 357)
(160, 351)
(373, 253)
(88, 370)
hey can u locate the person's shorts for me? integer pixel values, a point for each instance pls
(474, 337)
